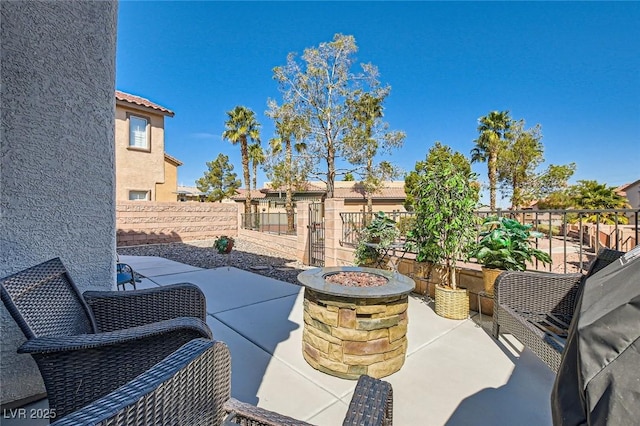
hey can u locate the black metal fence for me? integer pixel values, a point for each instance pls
(273, 223)
(571, 237)
(316, 234)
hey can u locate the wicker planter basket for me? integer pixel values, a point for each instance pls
(489, 277)
(452, 304)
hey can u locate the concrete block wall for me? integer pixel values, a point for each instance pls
(149, 222)
(285, 244)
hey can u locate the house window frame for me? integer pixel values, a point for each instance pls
(148, 130)
(146, 191)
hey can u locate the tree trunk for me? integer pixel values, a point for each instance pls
(331, 173)
(368, 193)
(492, 165)
(289, 196)
(247, 182)
(255, 186)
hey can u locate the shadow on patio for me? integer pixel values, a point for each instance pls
(455, 373)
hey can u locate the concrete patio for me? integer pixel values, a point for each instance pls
(455, 373)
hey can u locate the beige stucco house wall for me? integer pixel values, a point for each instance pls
(168, 190)
(140, 169)
(632, 192)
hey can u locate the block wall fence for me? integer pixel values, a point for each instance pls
(140, 223)
(151, 222)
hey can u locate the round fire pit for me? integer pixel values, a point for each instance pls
(355, 320)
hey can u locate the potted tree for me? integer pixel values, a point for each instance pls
(444, 201)
(374, 239)
(505, 245)
(223, 244)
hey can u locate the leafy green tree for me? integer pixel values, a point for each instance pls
(318, 87)
(558, 200)
(284, 169)
(554, 180)
(367, 134)
(494, 129)
(444, 201)
(438, 154)
(591, 195)
(348, 177)
(219, 181)
(240, 127)
(518, 162)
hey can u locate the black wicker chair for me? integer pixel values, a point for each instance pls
(193, 386)
(537, 308)
(86, 346)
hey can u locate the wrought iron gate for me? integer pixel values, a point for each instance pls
(316, 234)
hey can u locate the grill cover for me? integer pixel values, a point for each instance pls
(599, 378)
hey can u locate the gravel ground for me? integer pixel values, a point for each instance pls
(245, 255)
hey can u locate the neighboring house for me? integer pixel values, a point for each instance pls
(143, 170)
(190, 193)
(632, 192)
(269, 199)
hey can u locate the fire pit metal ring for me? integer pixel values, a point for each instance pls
(397, 284)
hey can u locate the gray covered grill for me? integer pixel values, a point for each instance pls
(599, 378)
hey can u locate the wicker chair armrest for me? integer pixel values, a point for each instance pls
(250, 415)
(80, 369)
(371, 404)
(536, 291)
(114, 310)
(52, 344)
(187, 387)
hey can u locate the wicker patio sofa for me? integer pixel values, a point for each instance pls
(537, 308)
(87, 345)
(193, 387)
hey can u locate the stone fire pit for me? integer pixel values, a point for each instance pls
(350, 330)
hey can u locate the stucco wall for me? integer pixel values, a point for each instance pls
(138, 170)
(57, 170)
(167, 191)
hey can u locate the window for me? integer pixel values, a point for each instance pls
(138, 195)
(138, 132)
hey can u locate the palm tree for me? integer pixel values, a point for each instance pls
(591, 195)
(256, 156)
(288, 127)
(494, 133)
(240, 126)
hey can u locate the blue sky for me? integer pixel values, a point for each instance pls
(572, 67)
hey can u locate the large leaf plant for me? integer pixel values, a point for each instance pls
(506, 244)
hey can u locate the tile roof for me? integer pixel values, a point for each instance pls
(255, 194)
(356, 191)
(352, 190)
(624, 187)
(189, 190)
(305, 187)
(137, 100)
